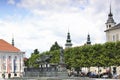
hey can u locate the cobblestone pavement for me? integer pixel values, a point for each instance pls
(58, 78)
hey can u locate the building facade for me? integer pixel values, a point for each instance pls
(11, 60)
(112, 29)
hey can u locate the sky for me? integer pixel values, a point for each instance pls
(37, 24)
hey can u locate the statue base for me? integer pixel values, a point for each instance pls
(62, 71)
(62, 67)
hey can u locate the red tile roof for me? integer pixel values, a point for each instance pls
(5, 46)
(25, 59)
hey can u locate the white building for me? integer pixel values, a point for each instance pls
(11, 60)
(112, 29)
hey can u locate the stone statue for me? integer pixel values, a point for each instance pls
(44, 59)
(61, 55)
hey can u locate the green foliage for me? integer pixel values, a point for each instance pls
(36, 51)
(55, 56)
(107, 54)
(32, 60)
(26, 62)
(55, 47)
(101, 55)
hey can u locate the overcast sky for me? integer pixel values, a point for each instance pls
(39, 23)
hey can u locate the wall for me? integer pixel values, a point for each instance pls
(19, 63)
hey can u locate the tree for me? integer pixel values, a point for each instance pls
(26, 62)
(36, 51)
(32, 60)
(101, 55)
(55, 47)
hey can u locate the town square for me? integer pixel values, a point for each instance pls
(59, 40)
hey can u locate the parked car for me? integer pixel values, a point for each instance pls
(92, 75)
(116, 76)
(106, 75)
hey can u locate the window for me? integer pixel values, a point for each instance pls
(9, 62)
(4, 59)
(117, 37)
(15, 63)
(9, 57)
(15, 68)
(15, 58)
(113, 38)
(4, 66)
(109, 26)
(4, 63)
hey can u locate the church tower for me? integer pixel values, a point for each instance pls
(88, 40)
(110, 22)
(112, 29)
(68, 41)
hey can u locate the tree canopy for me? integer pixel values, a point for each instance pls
(55, 46)
(31, 62)
(103, 55)
(107, 54)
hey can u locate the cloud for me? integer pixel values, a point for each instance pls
(40, 6)
(47, 22)
(11, 2)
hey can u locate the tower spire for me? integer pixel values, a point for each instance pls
(12, 40)
(68, 41)
(110, 14)
(110, 7)
(88, 39)
(110, 21)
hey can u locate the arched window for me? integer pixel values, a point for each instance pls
(113, 38)
(109, 26)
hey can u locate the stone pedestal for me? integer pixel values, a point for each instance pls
(62, 67)
(62, 71)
